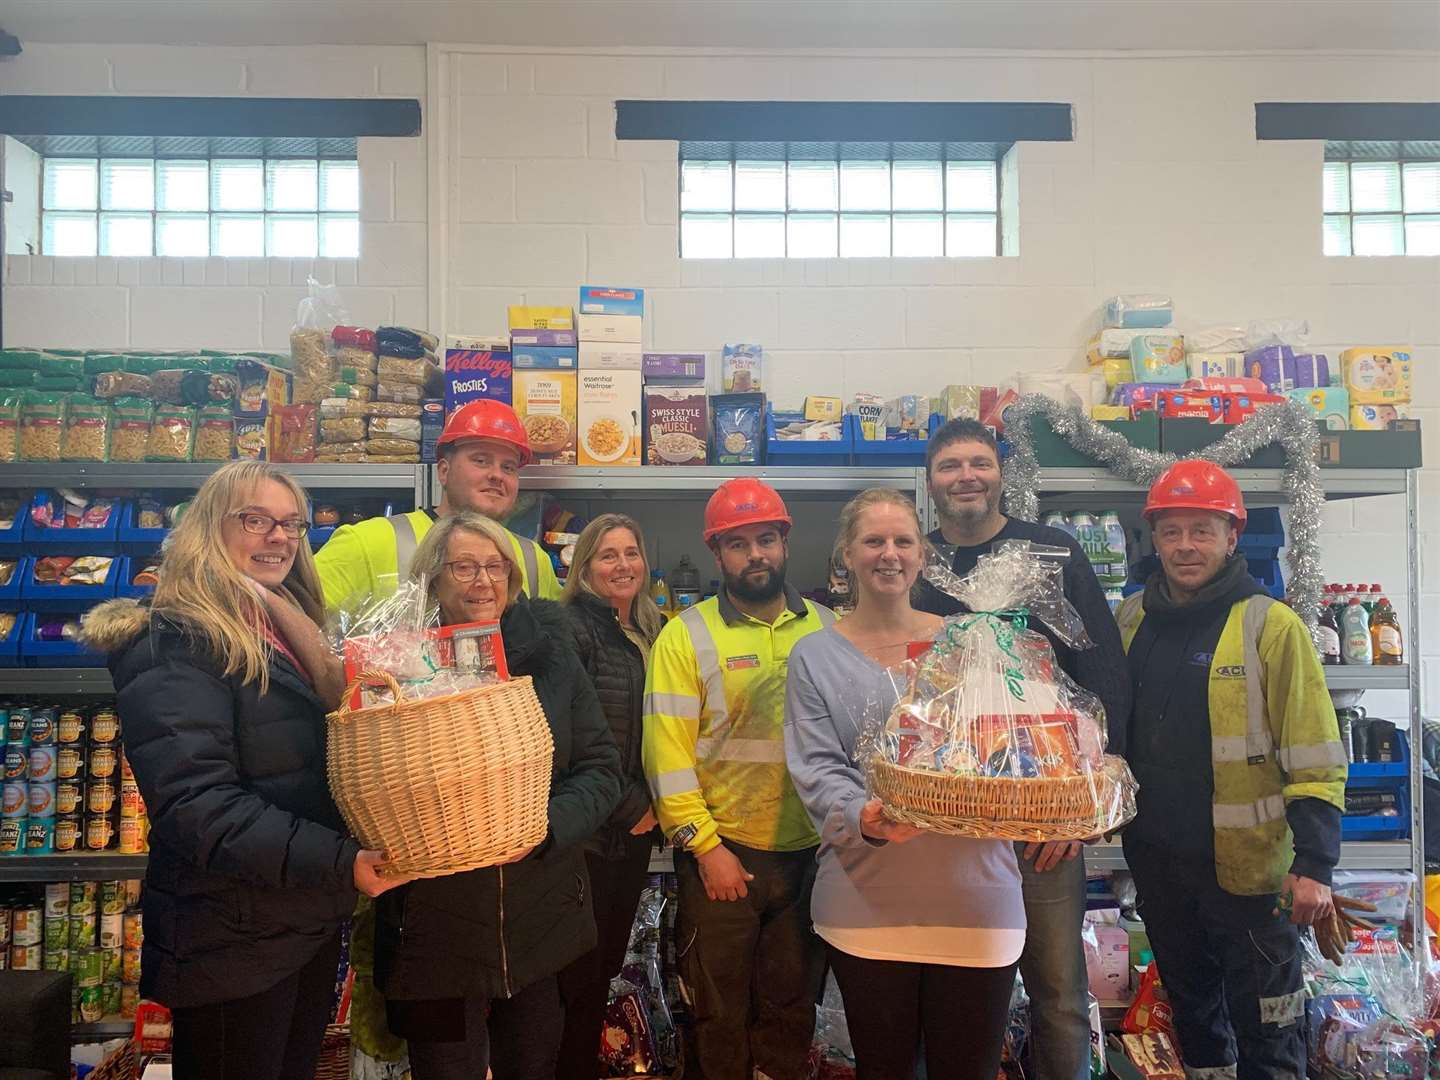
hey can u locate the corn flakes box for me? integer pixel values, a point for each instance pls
(608, 412)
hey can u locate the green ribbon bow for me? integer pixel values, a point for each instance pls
(1004, 625)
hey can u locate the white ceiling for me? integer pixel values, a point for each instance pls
(1200, 25)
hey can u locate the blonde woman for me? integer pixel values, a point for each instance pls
(607, 596)
(222, 685)
(923, 931)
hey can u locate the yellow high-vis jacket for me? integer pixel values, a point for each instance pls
(364, 561)
(714, 745)
(1273, 737)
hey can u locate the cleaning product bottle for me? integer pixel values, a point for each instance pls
(659, 591)
(1329, 635)
(1385, 634)
(1355, 644)
(684, 584)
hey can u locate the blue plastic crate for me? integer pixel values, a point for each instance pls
(1264, 531)
(1267, 573)
(1378, 826)
(1376, 774)
(34, 653)
(784, 452)
(10, 591)
(318, 536)
(98, 541)
(13, 538)
(134, 539)
(10, 644)
(885, 452)
(66, 597)
(126, 568)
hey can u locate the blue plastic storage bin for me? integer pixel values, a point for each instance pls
(35, 653)
(1267, 573)
(1264, 531)
(318, 536)
(907, 453)
(126, 568)
(66, 597)
(1377, 826)
(134, 539)
(10, 644)
(13, 538)
(10, 591)
(100, 541)
(784, 452)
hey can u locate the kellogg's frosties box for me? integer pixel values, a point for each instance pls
(477, 368)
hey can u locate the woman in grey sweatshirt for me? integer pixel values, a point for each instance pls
(924, 931)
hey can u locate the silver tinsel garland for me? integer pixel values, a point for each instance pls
(1290, 424)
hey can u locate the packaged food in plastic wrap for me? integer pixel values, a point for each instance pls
(330, 456)
(392, 447)
(332, 408)
(1150, 1011)
(394, 409)
(42, 424)
(395, 369)
(294, 432)
(400, 636)
(168, 386)
(357, 376)
(316, 316)
(344, 429)
(172, 434)
(404, 341)
(356, 338)
(9, 426)
(130, 419)
(215, 434)
(404, 393)
(989, 737)
(350, 392)
(394, 428)
(87, 432)
(112, 384)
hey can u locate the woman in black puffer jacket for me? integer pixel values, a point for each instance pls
(607, 594)
(222, 685)
(467, 962)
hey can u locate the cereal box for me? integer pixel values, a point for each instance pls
(545, 403)
(676, 425)
(477, 368)
(610, 300)
(523, 317)
(608, 408)
(741, 369)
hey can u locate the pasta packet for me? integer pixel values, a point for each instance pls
(9, 426)
(342, 429)
(395, 369)
(113, 384)
(87, 434)
(393, 447)
(294, 432)
(215, 435)
(172, 434)
(130, 419)
(42, 424)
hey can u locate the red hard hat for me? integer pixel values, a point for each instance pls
(744, 501)
(486, 418)
(1196, 485)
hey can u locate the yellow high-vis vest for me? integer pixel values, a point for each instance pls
(714, 743)
(1273, 738)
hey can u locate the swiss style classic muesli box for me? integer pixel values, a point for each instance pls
(676, 425)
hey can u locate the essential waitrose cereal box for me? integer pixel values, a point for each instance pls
(545, 403)
(608, 408)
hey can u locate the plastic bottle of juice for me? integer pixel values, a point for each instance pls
(1386, 636)
(659, 591)
(1355, 644)
(1329, 635)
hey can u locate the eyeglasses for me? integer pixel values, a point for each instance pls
(264, 525)
(465, 571)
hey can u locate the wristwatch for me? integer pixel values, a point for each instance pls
(684, 836)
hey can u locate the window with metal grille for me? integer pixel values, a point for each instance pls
(1382, 198)
(845, 200)
(238, 200)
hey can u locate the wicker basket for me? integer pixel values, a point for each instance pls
(444, 784)
(334, 1060)
(1004, 808)
(122, 1063)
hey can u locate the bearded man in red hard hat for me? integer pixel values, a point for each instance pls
(1234, 741)
(714, 753)
(481, 450)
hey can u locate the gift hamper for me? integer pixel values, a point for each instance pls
(435, 756)
(988, 737)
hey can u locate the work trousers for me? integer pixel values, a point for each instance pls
(1053, 968)
(517, 1038)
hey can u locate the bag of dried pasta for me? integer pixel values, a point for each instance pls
(9, 426)
(172, 434)
(130, 428)
(87, 434)
(317, 315)
(42, 425)
(215, 434)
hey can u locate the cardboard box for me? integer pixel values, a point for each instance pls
(432, 425)
(608, 407)
(610, 300)
(544, 339)
(547, 358)
(673, 368)
(615, 356)
(968, 402)
(525, 317)
(677, 425)
(824, 408)
(545, 403)
(607, 328)
(477, 368)
(742, 369)
(1110, 977)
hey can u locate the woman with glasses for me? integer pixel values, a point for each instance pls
(467, 962)
(608, 599)
(222, 684)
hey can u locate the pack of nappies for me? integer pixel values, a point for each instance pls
(1330, 404)
(1109, 344)
(1311, 370)
(1082, 390)
(1376, 417)
(1139, 311)
(1215, 365)
(1118, 370)
(1158, 358)
(1377, 375)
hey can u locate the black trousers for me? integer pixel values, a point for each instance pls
(961, 1013)
(1230, 965)
(615, 888)
(753, 967)
(272, 1035)
(517, 1038)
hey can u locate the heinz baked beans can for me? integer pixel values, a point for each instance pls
(42, 727)
(17, 764)
(131, 805)
(42, 800)
(12, 836)
(43, 769)
(40, 836)
(15, 801)
(131, 836)
(17, 727)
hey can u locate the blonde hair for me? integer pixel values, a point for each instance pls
(852, 511)
(200, 587)
(644, 612)
(430, 555)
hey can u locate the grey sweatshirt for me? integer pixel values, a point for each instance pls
(933, 880)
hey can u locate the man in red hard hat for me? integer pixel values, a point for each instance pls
(482, 450)
(714, 752)
(1234, 741)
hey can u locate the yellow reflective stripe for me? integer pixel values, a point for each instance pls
(675, 782)
(681, 706)
(707, 662)
(1248, 815)
(1234, 748)
(1313, 756)
(753, 751)
(1257, 728)
(532, 567)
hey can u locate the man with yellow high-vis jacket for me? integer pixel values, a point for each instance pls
(714, 753)
(1234, 741)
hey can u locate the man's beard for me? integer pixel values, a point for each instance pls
(969, 514)
(751, 591)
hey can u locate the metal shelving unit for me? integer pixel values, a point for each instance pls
(114, 1027)
(60, 682)
(1354, 855)
(78, 866)
(114, 474)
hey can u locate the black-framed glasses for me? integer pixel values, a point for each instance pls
(465, 571)
(264, 524)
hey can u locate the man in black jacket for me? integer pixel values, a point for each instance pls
(965, 478)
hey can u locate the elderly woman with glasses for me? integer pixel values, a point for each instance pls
(467, 963)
